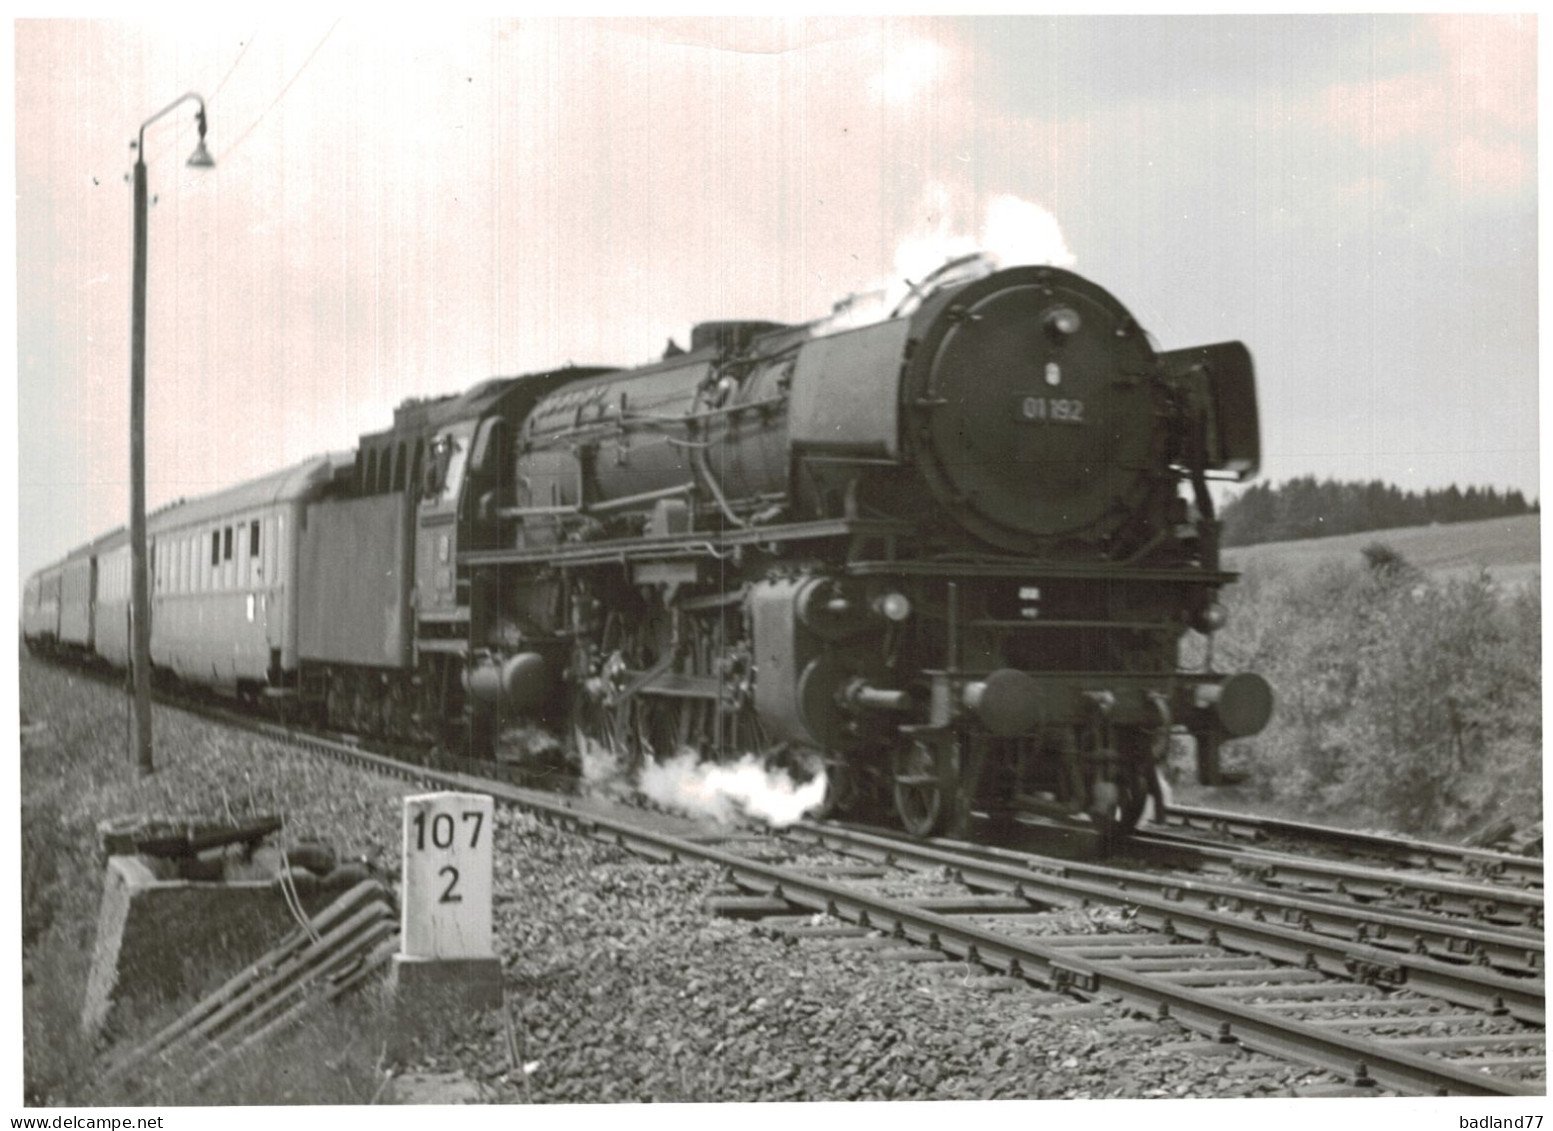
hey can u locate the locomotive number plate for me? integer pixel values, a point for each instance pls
(1048, 410)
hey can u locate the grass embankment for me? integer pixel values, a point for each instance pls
(1408, 699)
(77, 770)
(1510, 549)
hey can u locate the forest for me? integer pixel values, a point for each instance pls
(1307, 508)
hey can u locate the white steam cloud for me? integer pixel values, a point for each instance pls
(727, 794)
(1014, 232)
(724, 793)
(1020, 232)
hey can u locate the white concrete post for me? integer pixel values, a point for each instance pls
(446, 950)
(447, 876)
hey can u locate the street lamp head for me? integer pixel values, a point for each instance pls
(201, 158)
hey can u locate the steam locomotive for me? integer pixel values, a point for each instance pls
(949, 556)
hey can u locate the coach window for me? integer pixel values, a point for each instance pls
(399, 469)
(415, 465)
(370, 486)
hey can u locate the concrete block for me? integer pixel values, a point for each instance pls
(161, 940)
(435, 984)
(429, 994)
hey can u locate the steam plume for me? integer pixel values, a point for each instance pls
(1014, 232)
(726, 792)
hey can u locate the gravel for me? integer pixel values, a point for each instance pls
(620, 986)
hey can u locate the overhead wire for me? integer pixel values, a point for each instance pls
(227, 151)
(247, 43)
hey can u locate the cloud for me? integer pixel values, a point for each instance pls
(1473, 111)
(1485, 168)
(909, 71)
(1493, 62)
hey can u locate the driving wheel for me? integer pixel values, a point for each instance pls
(924, 784)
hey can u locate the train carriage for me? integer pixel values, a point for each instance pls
(78, 614)
(76, 598)
(40, 607)
(224, 580)
(110, 606)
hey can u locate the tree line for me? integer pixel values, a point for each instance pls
(1307, 508)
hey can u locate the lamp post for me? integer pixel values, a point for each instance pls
(140, 599)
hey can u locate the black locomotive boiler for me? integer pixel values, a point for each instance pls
(949, 555)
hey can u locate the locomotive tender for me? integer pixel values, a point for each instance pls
(949, 555)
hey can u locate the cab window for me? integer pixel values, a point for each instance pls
(445, 467)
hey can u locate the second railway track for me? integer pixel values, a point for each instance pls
(1187, 824)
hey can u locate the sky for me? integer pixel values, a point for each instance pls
(405, 209)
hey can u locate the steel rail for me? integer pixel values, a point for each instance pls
(1482, 901)
(1473, 986)
(1197, 1009)
(1263, 1030)
(1520, 951)
(1430, 855)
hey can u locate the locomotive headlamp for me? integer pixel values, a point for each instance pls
(1062, 322)
(1210, 618)
(893, 606)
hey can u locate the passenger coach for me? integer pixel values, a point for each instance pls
(224, 580)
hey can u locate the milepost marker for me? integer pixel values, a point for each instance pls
(446, 958)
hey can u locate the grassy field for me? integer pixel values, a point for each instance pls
(1510, 549)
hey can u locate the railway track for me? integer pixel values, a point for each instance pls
(1477, 864)
(1483, 901)
(1516, 952)
(1363, 1011)
(1417, 999)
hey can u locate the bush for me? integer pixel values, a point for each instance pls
(1402, 703)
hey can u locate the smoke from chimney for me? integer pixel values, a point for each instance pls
(1014, 233)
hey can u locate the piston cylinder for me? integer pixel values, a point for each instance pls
(519, 682)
